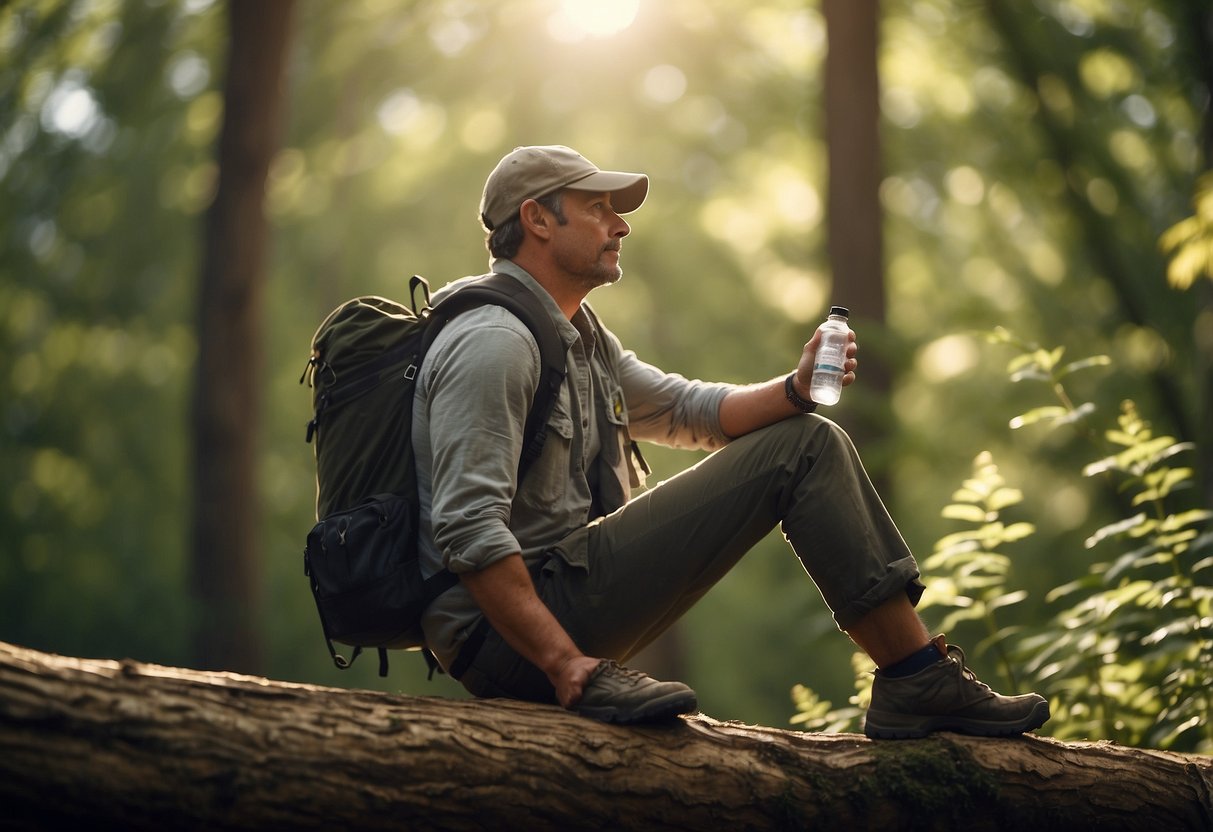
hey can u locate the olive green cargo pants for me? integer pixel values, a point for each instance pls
(619, 582)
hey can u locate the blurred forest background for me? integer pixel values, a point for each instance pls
(1039, 187)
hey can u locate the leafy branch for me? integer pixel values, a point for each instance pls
(968, 572)
(1190, 241)
(1129, 659)
(1131, 656)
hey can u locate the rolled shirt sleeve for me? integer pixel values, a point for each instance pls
(669, 409)
(477, 384)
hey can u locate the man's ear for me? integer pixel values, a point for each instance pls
(535, 219)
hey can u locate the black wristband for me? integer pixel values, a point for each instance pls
(789, 389)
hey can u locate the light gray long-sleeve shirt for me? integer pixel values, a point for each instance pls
(473, 396)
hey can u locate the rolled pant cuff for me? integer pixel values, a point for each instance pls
(902, 576)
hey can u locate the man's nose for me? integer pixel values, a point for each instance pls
(621, 229)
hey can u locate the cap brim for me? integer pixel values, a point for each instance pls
(627, 190)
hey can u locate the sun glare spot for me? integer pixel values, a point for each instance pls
(576, 20)
(71, 109)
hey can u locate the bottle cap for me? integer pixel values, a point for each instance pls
(841, 311)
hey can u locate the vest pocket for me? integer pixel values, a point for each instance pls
(625, 458)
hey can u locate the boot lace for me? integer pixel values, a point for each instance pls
(614, 670)
(958, 655)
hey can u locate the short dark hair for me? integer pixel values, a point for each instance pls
(504, 240)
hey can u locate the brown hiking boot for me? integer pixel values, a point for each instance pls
(618, 694)
(947, 697)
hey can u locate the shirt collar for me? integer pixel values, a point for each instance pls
(568, 332)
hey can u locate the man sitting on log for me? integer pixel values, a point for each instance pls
(564, 574)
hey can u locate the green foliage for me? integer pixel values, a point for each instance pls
(972, 570)
(95, 259)
(1133, 653)
(1190, 241)
(817, 714)
(1130, 656)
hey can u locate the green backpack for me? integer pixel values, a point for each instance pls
(362, 555)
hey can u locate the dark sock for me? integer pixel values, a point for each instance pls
(911, 664)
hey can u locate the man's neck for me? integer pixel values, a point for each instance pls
(568, 297)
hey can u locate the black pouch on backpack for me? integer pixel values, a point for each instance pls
(357, 562)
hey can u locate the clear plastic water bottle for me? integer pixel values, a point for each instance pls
(826, 387)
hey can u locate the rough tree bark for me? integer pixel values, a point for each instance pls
(226, 407)
(852, 127)
(855, 228)
(126, 745)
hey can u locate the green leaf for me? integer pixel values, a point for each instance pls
(1193, 259)
(1008, 600)
(1185, 518)
(958, 541)
(1020, 362)
(968, 513)
(967, 495)
(1002, 335)
(1173, 478)
(977, 487)
(1168, 631)
(1126, 562)
(1070, 588)
(1119, 527)
(1032, 374)
(1144, 451)
(1018, 531)
(1131, 592)
(1119, 437)
(1084, 364)
(1077, 414)
(1004, 498)
(1180, 233)
(957, 616)
(1038, 414)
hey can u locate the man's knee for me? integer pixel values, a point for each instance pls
(789, 451)
(811, 434)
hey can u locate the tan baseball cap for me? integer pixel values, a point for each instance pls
(531, 172)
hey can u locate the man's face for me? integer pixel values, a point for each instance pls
(587, 246)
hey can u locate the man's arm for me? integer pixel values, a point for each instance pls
(476, 392)
(749, 408)
(505, 594)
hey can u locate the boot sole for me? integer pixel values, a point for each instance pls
(656, 710)
(881, 726)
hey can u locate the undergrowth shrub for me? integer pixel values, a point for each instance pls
(1128, 654)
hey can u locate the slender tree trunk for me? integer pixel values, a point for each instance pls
(123, 745)
(1197, 22)
(224, 562)
(1105, 245)
(853, 215)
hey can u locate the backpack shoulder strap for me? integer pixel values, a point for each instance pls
(503, 290)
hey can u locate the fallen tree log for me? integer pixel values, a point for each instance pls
(109, 744)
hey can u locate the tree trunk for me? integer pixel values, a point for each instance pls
(1105, 242)
(855, 238)
(133, 746)
(224, 576)
(1198, 15)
